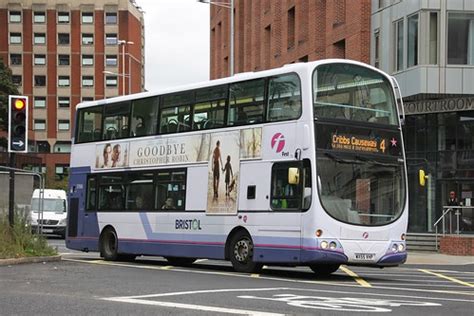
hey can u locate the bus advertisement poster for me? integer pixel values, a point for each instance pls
(224, 169)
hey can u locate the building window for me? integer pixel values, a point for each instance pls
(40, 81)
(63, 81)
(40, 59)
(15, 59)
(87, 81)
(111, 60)
(111, 81)
(39, 125)
(63, 38)
(63, 60)
(291, 28)
(87, 99)
(87, 17)
(399, 45)
(63, 17)
(87, 60)
(15, 38)
(461, 38)
(433, 38)
(40, 38)
(62, 147)
(64, 102)
(111, 39)
(87, 39)
(16, 79)
(39, 17)
(412, 44)
(63, 125)
(39, 102)
(111, 18)
(61, 171)
(377, 48)
(15, 16)
(43, 146)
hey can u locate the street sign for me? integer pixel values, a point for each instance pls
(18, 123)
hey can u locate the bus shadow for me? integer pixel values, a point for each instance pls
(269, 271)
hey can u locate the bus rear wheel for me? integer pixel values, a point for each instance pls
(180, 261)
(109, 245)
(241, 254)
(324, 269)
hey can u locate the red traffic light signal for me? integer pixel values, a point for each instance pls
(18, 123)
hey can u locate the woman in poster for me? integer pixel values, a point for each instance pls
(116, 155)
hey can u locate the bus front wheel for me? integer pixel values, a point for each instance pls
(241, 254)
(324, 269)
(109, 245)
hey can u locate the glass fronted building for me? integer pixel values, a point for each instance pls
(428, 46)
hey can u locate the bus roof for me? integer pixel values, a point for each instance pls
(308, 66)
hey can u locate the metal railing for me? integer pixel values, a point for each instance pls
(448, 224)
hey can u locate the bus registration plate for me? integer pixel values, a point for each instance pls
(365, 256)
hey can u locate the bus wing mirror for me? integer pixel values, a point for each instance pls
(293, 175)
(422, 177)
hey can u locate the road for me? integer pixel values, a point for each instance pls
(83, 284)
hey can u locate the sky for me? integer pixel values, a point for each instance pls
(176, 42)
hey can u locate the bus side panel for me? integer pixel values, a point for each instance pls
(86, 225)
(172, 249)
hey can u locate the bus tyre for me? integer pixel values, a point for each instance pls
(109, 245)
(324, 269)
(241, 253)
(179, 261)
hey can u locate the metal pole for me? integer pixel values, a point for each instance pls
(123, 68)
(129, 73)
(11, 201)
(457, 220)
(231, 37)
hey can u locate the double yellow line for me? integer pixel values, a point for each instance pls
(439, 275)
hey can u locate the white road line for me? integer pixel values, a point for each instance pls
(195, 307)
(263, 277)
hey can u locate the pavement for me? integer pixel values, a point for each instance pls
(435, 258)
(414, 257)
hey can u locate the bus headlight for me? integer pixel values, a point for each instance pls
(324, 244)
(332, 245)
(394, 247)
(401, 247)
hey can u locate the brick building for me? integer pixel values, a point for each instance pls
(269, 34)
(64, 52)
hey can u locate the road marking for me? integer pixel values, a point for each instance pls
(167, 267)
(195, 307)
(357, 278)
(238, 275)
(140, 300)
(255, 275)
(447, 278)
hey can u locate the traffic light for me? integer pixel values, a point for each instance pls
(18, 123)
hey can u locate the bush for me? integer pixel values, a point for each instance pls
(18, 241)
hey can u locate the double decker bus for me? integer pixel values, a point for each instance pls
(301, 166)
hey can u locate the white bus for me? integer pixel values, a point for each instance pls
(300, 165)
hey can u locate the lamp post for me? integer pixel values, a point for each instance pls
(229, 5)
(123, 43)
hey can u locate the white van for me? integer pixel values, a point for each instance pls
(54, 215)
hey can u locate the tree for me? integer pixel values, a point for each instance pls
(7, 87)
